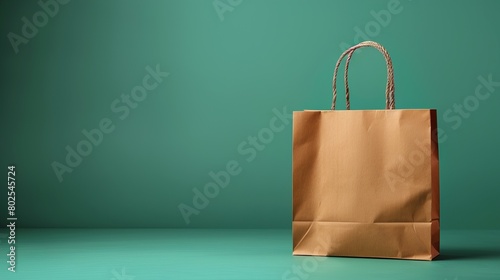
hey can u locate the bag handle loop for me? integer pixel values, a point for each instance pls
(389, 91)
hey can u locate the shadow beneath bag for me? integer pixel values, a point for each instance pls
(469, 253)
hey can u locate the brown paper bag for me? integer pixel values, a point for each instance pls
(366, 182)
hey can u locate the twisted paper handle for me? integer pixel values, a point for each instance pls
(389, 91)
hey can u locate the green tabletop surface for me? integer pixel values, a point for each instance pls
(148, 254)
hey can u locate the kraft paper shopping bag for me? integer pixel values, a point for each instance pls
(366, 182)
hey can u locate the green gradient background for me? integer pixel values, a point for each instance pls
(226, 77)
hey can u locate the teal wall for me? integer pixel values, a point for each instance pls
(229, 72)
